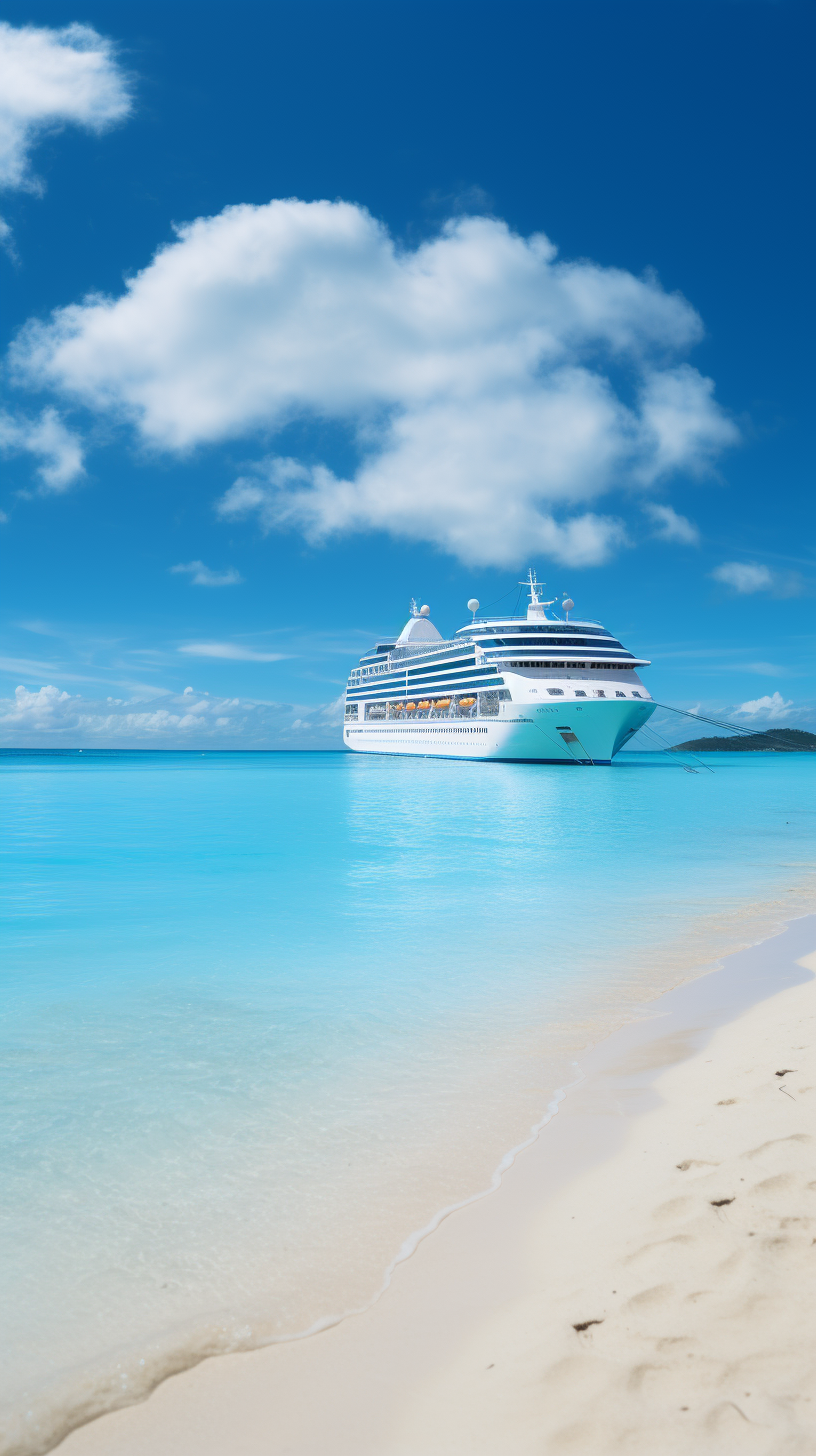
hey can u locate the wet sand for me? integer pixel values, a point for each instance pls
(642, 1281)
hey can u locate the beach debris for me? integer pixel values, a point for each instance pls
(740, 1412)
(784, 1071)
(727, 1102)
(579, 1329)
(720, 1202)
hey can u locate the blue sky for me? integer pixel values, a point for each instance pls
(313, 308)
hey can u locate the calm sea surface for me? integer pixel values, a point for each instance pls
(265, 1015)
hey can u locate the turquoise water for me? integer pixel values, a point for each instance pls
(267, 1014)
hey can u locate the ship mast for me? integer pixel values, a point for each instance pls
(536, 607)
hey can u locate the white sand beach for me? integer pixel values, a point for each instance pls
(644, 1280)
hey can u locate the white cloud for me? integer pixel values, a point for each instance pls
(40, 709)
(58, 449)
(408, 491)
(773, 708)
(744, 577)
(7, 239)
(747, 577)
(682, 428)
(201, 575)
(763, 669)
(472, 373)
(671, 526)
(52, 78)
(50, 716)
(230, 650)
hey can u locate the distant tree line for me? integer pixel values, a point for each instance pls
(784, 740)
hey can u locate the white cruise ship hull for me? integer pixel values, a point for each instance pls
(589, 733)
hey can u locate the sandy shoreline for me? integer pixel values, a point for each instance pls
(618, 1214)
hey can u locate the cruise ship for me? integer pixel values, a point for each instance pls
(542, 688)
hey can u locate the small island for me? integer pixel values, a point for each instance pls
(784, 740)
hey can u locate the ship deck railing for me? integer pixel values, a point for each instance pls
(562, 621)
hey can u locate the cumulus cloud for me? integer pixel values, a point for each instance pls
(681, 426)
(405, 490)
(7, 239)
(230, 650)
(771, 707)
(47, 715)
(41, 708)
(744, 577)
(53, 78)
(49, 439)
(747, 577)
(669, 525)
(473, 374)
(201, 575)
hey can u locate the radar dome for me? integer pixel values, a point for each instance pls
(473, 605)
(424, 611)
(568, 605)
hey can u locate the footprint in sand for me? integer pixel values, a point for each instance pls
(780, 1184)
(577, 1375)
(794, 1137)
(639, 1374)
(660, 1244)
(673, 1209)
(650, 1298)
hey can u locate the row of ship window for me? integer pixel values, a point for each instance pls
(360, 672)
(593, 665)
(596, 693)
(474, 729)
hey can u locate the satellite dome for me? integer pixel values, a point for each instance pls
(424, 611)
(473, 605)
(568, 605)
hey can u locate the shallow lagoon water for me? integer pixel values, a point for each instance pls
(267, 1014)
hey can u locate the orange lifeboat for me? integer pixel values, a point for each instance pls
(466, 702)
(441, 704)
(410, 707)
(423, 707)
